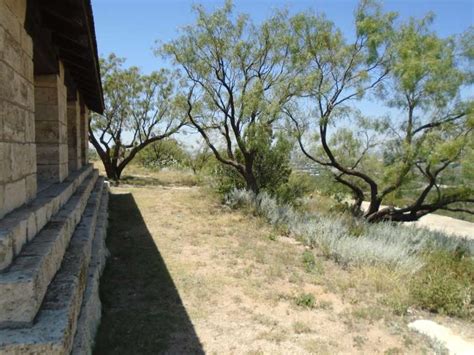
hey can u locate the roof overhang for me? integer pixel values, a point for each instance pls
(64, 30)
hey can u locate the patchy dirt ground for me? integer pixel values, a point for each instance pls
(187, 275)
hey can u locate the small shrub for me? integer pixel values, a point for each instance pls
(305, 300)
(445, 285)
(163, 153)
(310, 263)
(298, 185)
(272, 237)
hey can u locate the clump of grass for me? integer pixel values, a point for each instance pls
(326, 305)
(371, 314)
(275, 335)
(359, 341)
(309, 261)
(305, 300)
(272, 237)
(445, 285)
(301, 328)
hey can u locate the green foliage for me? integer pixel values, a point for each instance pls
(445, 285)
(139, 109)
(310, 263)
(200, 159)
(238, 81)
(305, 300)
(299, 184)
(163, 153)
(272, 160)
(271, 166)
(418, 78)
(226, 178)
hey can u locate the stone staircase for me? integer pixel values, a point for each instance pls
(52, 252)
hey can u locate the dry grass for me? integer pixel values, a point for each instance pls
(188, 275)
(136, 175)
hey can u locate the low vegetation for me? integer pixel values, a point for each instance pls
(437, 270)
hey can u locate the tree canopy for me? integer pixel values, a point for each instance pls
(139, 110)
(238, 79)
(425, 122)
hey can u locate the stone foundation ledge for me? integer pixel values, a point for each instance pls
(24, 223)
(54, 329)
(24, 284)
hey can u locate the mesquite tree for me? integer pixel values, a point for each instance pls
(419, 83)
(139, 110)
(238, 81)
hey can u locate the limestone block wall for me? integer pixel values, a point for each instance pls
(84, 134)
(74, 133)
(53, 205)
(17, 129)
(51, 127)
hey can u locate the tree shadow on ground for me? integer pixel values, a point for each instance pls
(142, 312)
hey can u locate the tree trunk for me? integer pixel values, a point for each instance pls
(251, 183)
(374, 206)
(391, 214)
(249, 176)
(111, 170)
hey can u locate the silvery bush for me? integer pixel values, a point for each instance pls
(395, 245)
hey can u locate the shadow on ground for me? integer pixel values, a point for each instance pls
(142, 311)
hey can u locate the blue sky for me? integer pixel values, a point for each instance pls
(130, 27)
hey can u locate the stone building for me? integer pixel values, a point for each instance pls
(53, 204)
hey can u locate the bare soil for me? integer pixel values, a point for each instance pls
(188, 275)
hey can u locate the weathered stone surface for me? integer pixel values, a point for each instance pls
(15, 194)
(51, 126)
(16, 105)
(4, 162)
(91, 308)
(23, 285)
(2, 199)
(57, 320)
(41, 209)
(31, 186)
(74, 119)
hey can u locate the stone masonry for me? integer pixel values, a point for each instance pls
(53, 204)
(74, 133)
(17, 128)
(51, 127)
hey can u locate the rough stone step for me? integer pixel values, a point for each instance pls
(55, 325)
(91, 308)
(24, 283)
(23, 224)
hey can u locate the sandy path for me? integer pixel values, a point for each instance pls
(448, 225)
